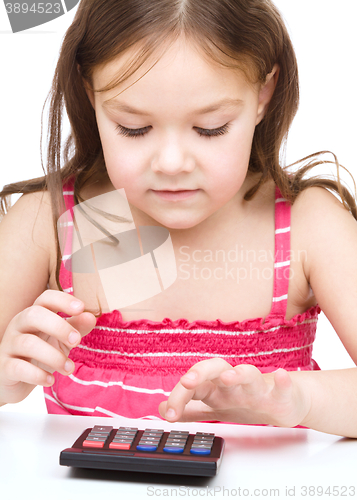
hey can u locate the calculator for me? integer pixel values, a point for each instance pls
(148, 450)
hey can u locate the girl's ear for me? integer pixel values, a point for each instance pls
(89, 92)
(266, 92)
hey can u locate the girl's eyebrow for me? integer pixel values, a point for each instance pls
(227, 102)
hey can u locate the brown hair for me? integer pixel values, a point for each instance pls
(246, 34)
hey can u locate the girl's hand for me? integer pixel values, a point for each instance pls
(214, 390)
(37, 342)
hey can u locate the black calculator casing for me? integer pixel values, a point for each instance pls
(142, 461)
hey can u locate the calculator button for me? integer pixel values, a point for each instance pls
(173, 449)
(182, 442)
(96, 438)
(175, 445)
(204, 434)
(133, 429)
(119, 446)
(102, 429)
(204, 438)
(93, 444)
(209, 444)
(146, 447)
(153, 434)
(200, 451)
(149, 443)
(121, 440)
(97, 435)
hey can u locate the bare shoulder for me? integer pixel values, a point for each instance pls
(30, 219)
(321, 225)
(26, 242)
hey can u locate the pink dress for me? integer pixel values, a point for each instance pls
(126, 368)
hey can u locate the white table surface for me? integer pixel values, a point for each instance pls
(256, 460)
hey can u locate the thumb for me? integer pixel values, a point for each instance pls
(83, 323)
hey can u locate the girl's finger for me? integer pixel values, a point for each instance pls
(37, 319)
(282, 384)
(19, 370)
(83, 323)
(57, 301)
(209, 369)
(32, 347)
(248, 376)
(177, 401)
(194, 411)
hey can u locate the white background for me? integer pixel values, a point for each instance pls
(324, 36)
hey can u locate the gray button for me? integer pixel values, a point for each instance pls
(149, 440)
(97, 434)
(101, 439)
(176, 445)
(118, 440)
(203, 446)
(203, 441)
(204, 434)
(175, 440)
(102, 428)
(128, 429)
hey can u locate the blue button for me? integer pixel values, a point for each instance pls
(173, 449)
(200, 451)
(146, 447)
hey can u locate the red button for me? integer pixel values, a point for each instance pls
(93, 444)
(120, 446)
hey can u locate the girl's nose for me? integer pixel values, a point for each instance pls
(172, 158)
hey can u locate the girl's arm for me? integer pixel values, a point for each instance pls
(322, 400)
(33, 338)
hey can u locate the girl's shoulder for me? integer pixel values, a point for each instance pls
(321, 225)
(30, 219)
(26, 248)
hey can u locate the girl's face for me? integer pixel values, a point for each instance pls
(186, 125)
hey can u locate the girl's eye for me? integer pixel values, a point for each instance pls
(137, 132)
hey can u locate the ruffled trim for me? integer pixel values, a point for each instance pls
(114, 319)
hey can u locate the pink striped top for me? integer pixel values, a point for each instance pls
(126, 368)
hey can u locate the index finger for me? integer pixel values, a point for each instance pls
(57, 301)
(195, 384)
(209, 369)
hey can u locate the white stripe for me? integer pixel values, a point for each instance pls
(67, 193)
(278, 299)
(68, 290)
(65, 224)
(190, 354)
(120, 383)
(197, 330)
(92, 410)
(282, 264)
(66, 257)
(50, 398)
(279, 200)
(282, 230)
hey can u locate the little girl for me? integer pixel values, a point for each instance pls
(183, 105)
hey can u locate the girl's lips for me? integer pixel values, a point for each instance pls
(176, 195)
